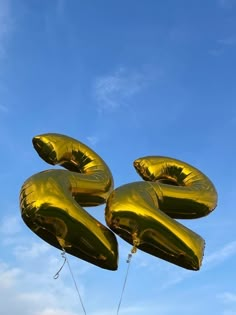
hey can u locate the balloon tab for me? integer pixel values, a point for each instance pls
(129, 258)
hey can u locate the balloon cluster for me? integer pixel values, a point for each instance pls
(142, 212)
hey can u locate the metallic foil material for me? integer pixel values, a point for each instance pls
(143, 213)
(52, 201)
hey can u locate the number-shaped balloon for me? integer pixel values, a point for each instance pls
(51, 201)
(142, 212)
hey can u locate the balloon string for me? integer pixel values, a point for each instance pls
(63, 254)
(124, 285)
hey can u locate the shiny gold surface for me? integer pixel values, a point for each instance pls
(51, 201)
(141, 212)
(190, 194)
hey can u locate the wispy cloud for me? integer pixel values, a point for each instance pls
(10, 225)
(141, 308)
(28, 277)
(115, 90)
(93, 140)
(228, 297)
(8, 275)
(220, 255)
(32, 250)
(229, 312)
(35, 293)
(174, 275)
(54, 311)
(124, 310)
(228, 41)
(222, 45)
(216, 52)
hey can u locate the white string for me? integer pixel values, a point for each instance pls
(63, 254)
(124, 285)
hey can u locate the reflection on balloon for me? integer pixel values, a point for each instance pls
(51, 201)
(143, 213)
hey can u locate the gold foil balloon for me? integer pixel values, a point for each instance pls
(51, 201)
(142, 212)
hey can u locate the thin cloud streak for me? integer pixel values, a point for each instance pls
(228, 41)
(228, 297)
(221, 255)
(115, 90)
(209, 261)
(223, 45)
(93, 140)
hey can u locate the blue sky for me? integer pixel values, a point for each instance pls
(129, 79)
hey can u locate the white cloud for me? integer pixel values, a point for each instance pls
(171, 275)
(222, 46)
(51, 311)
(228, 41)
(141, 307)
(34, 297)
(115, 90)
(31, 291)
(93, 140)
(123, 310)
(229, 312)
(221, 255)
(8, 275)
(26, 271)
(10, 225)
(31, 250)
(228, 297)
(216, 52)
